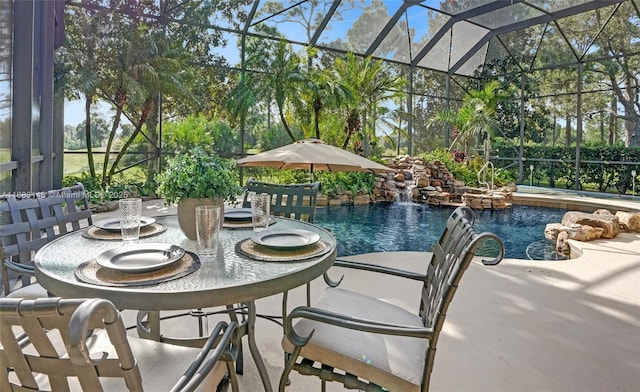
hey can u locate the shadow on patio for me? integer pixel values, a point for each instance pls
(522, 325)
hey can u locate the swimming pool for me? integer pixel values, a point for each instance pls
(387, 227)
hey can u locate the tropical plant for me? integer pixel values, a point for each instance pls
(476, 117)
(340, 182)
(277, 84)
(320, 90)
(199, 174)
(129, 61)
(370, 83)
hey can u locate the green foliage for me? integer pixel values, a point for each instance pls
(331, 183)
(602, 177)
(357, 183)
(275, 136)
(466, 172)
(197, 130)
(125, 187)
(291, 176)
(198, 173)
(186, 134)
(92, 185)
(441, 154)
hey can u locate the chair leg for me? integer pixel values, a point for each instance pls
(253, 347)
(203, 321)
(239, 359)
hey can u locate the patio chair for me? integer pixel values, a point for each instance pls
(370, 344)
(296, 201)
(78, 344)
(28, 223)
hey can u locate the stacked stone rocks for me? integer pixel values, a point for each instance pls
(581, 226)
(424, 182)
(432, 183)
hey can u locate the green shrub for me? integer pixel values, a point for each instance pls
(358, 183)
(198, 173)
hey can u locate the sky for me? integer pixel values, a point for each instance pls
(74, 112)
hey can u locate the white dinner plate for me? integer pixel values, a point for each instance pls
(140, 257)
(285, 239)
(237, 214)
(113, 224)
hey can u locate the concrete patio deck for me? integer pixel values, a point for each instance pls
(569, 325)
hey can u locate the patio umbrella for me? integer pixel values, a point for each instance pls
(313, 154)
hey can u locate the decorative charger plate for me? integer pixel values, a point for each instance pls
(140, 257)
(113, 224)
(237, 214)
(285, 239)
(91, 272)
(96, 233)
(230, 224)
(251, 250)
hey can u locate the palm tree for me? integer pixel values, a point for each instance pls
(370, 83)
(82, 60)
(476, 117)
(278, 82)
(321, 90)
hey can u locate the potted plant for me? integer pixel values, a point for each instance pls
(197, 177)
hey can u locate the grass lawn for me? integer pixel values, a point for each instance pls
(76, 164)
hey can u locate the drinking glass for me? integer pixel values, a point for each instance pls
(130, 213)
(207, 229)
(260, 209)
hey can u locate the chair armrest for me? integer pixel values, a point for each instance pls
(20, 267)
(221, 338)
(378, 268)
(349, 322)
(100, 313)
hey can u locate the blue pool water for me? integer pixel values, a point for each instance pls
(416, 227)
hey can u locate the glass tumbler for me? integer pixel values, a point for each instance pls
(208, 229)
(260, 210)
(130, 214)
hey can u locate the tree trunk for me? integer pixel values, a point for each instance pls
(114, 127)
(152, 132)
(146, 112)
(634, 138)
(612, 121)
(87, 132)
(317, 107)
(284, 122)
(567, 140)
(632, 127)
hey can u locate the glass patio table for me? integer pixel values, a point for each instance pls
(228, 279)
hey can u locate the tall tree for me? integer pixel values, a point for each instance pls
(142, 54)
(321, 90)
(80, 65)
(371, 82)
(619, 40)
(476, 117)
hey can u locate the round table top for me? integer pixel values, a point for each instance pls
(227, 279)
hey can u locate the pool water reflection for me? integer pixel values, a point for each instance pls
(416, 227)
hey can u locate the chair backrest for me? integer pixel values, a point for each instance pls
(48, 322)
(31, 220)
(450, 258)
(24, 229)
(70, 207)
(297, 201)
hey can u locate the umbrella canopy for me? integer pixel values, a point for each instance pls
(313, 154)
